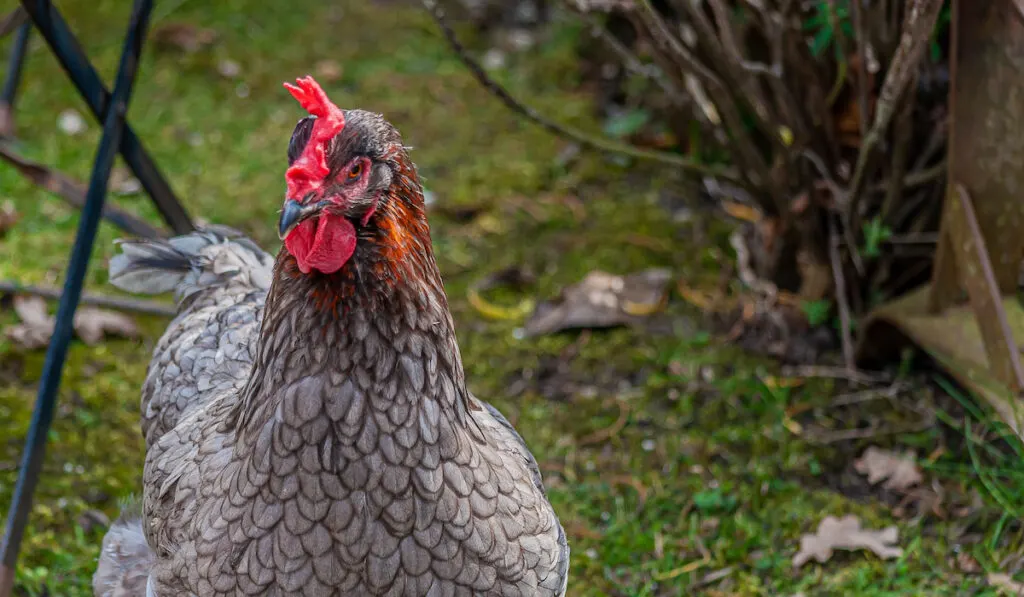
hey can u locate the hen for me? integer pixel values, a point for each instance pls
(308, 426)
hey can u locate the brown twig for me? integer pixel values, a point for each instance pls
(12, 20)
(831, 437)
(73, 192)
(608, 432)
(855, 376)
(720, 43)
(903, 136)
(681, 62)
(561, 130)
(917, 178)
(862, 67)
(920, 22)
(839, 197)
(96, 300)
(841, 299)
(632, 63)
(853, 398)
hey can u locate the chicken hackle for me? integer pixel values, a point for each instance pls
(308, 426)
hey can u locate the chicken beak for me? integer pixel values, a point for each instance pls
(293, 213)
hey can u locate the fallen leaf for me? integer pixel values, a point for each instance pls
(899, 470)
(229, 68)
(741, 212)
(774, 382)
(921, 500)
(1006, 583)
(183, 37)
(91, 325)
(123, 182)
(70, 122)
(698, 298)
(967, 563)
(512, 277)
(602, 300)
(848, 124)
(8, 217)
(36, 325)
(845, 533)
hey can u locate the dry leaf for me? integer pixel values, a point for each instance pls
(698, 298)
(1006, 583)
(602, 300)
(741, 212)
(967, 563)
(900, 470)
(183, 37)
(123, 182)
(70, 122)
(514, 277)
(845, 533)
(36, 325)
(848, 124)
(91, 324)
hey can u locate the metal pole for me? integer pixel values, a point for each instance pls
(72, 58)
(42, 416)
(10, 90)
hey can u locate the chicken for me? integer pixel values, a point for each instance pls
(308, 426)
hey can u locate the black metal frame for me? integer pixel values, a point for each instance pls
(17, 60)
(110, 109)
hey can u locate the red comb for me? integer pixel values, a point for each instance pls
(309, 170)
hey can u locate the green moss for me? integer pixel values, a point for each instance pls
(701, 472)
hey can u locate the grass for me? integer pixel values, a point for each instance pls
(669, 456)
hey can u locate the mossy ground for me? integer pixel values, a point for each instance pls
(668, 456)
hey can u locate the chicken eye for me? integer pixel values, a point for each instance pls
(354, 172)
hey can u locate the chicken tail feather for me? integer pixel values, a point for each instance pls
(125, 560)
(190, 263)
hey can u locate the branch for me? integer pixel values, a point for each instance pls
(919, 25)
(74, 193)
(96, 300)
(862, 67)
(683, 64)
(632, 62)
(583, 139)
(12, 20)
(843, 304)
(903, 131)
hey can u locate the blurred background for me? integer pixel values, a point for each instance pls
(649, 292)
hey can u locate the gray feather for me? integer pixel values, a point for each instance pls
(125, 559)
(190, 263)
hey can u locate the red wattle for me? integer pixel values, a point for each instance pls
(324, 244)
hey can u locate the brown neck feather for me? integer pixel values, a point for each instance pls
(377, 331)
